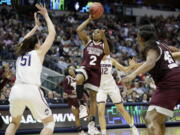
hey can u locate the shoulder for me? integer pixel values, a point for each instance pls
(151, 46)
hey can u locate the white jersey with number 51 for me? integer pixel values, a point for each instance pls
(28, 68)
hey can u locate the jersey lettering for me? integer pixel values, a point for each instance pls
(169, 59)
(26, 60)
(104, 70)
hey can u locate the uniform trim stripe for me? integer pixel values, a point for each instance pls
(83, 71)
(91, 87)
(161, 110)
(42, 97)
(101, 102)
(119, 103)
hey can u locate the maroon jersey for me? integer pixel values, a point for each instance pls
(69, 86)
(166, 72)
(92, 55)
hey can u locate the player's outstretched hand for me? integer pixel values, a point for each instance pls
(42, 9)
(37, 22)
(129, 78)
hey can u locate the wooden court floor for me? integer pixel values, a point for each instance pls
(169, 131)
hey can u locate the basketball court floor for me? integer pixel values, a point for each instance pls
(169, 131)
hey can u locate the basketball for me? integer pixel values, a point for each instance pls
(96, 10)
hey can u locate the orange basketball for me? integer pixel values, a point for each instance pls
(96, 10)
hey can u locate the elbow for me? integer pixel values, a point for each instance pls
(151, 64)
(78, 29)
(53, 33)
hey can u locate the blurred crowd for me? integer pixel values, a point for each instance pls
(67, 48)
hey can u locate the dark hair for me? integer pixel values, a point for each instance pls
(67, 69)
(147, 32)
(28, 44)
(111, 48)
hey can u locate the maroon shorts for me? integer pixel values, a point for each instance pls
(73, 102)
(166, 98)
(92, 77)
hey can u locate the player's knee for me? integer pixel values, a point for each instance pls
(120, 108)
(79, 79)
(50, 125)
(93, 96)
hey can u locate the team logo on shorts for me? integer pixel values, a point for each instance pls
(47, 111)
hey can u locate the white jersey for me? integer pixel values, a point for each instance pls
(28, 68)
(107, 79)
(108, 84)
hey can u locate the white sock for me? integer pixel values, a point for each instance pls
(131, 125)
(103, 132)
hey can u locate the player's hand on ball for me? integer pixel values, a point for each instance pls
(91, 18)
(42, 9)
(37, 22)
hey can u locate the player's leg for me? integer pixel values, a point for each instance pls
(49, 125)
(101, 101)
(117, 100)
(125, 114)
(93, 105)
(155, 123)
(92, 130)
(79, 85)
(75, 111)
(13, 126)
(41, 111)
(80, 78)
(102, 120)
(17, 108)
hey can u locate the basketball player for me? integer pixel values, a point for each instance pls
(90, 72)
(69, 85)
(109, 87)
(166, 74)
(26, 91)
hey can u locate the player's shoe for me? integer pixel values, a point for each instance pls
(92, 130)
(82, 133)
(83, 111)
(135, 131)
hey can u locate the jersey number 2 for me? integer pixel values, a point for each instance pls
(93, 60)
(26, 60)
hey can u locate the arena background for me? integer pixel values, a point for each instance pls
(67, 14)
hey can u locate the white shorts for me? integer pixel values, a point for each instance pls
(113, 92)
(30, 96)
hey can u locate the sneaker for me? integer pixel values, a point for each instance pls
(83, 111)
(135, 131)
(82, 133)
(92, 130)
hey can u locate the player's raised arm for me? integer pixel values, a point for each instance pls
(51, 30)
(80, 30)
(150, 62)
(176, 55)
(37, 24)
(106, 45)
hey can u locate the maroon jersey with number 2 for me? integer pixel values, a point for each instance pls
(90, 66)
